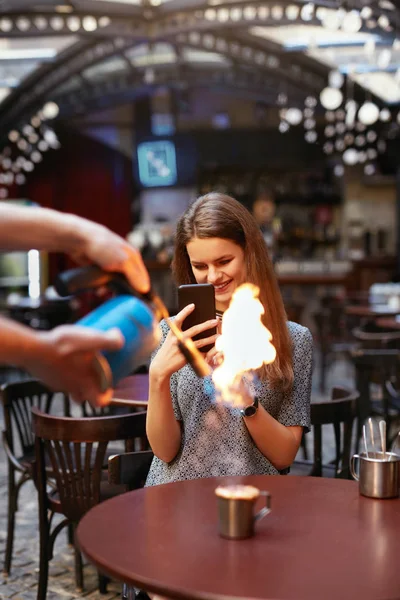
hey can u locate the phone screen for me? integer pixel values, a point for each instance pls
(202, 295)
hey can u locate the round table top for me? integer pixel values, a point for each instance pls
(321, 540)
(371, 310)
(132, 391)
(388, 323)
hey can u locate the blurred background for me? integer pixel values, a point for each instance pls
(123, 111)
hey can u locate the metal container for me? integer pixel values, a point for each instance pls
(236, 513)
(378, 474)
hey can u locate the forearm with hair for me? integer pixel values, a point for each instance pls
(19, 344)
(23, 228)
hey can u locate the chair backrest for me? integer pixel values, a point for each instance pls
(129, 469)
(340, 411)
(95, 411)
(373, 338)
(18, 399)
(373, 366)
(76, 449)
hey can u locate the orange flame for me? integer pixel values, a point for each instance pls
(245, 343)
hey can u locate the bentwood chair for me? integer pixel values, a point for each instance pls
(76, 450)
(18, 398)
(374, 368)
(339, 412)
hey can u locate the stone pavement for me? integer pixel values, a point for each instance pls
(22, 581)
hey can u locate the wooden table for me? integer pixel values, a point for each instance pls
(132, 391)
(322, 540)
(388, 323)
(370, 311)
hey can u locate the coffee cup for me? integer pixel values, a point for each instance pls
(236, 509)
(377, 474)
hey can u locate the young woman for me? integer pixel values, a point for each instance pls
(219, 242)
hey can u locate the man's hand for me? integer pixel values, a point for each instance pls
(111, 252)
(63, 359)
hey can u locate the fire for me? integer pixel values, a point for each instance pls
(245, 343)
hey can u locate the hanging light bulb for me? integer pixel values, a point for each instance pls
(340, 128)
(311, 102)
(293, 116)
(350, 156)
(385, 115)
(338, 170)
(335, 79)
(362, 156)
(50, 110)
(330, 116)
(360, 140)
(284, 126)
(331, 19)
(384, 58)
(366, 12)
(368, 113)
(352, 22)
(369, 169)
(20, 179)
(307, 12)
(384, 22)
(340, 145)
(369, 47)
(331, 98)
(351, 111)
(311, 136)
(13, 136)
(329, 131)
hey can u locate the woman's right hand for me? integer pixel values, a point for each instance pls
(169, 358)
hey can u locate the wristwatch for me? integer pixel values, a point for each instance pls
(250, 411)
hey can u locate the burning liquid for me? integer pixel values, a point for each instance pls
(245, 343)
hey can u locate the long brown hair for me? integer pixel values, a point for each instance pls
(216, 215)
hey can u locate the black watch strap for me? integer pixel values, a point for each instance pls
(250, 411)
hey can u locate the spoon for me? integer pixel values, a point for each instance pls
(365, 440)
(382, 431)
(371, 431)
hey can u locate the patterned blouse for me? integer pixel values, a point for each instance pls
(215, 440)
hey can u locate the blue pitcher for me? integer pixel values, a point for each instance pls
(133, 316)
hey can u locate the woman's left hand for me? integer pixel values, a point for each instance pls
(215, 357)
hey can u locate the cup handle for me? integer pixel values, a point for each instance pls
(267, 509)
(355, 475)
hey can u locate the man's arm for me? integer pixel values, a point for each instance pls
(23, 228)
(62, 358)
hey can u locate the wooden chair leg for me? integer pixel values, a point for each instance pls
(70, 534)
(78, 570)
(12, 508)
(103, 581)
(43, 559)
(304, 446)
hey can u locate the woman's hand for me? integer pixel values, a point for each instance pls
(214, 357)
(169, 358)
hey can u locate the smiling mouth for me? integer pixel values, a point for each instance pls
(222, 287)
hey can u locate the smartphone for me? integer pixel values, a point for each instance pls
(202, 295)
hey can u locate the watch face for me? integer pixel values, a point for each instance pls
(249, 411)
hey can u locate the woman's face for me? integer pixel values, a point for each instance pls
(219, 262)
